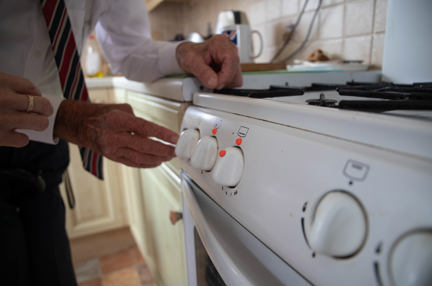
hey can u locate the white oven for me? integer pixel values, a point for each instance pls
(280, 191)
(312, 178)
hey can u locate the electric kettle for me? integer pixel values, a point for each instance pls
(229, 18)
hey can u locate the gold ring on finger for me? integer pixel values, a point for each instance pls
(30, 103)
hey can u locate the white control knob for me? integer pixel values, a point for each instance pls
(205, 153)
(411, 260)
(338, 227)
(186, 143)
(229, 167)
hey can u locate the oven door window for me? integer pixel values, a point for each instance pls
(207, 274)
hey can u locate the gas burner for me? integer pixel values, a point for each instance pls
(272, 91)
(386, 90)
(322, 101)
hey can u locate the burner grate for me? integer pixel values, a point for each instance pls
(273, 91)
(374, 97)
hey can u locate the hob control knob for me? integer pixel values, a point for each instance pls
(186, 143)
(338, 227)
(411, 260)
(204, 154)
(229, 167)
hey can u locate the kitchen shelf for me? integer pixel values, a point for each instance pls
(152, 4)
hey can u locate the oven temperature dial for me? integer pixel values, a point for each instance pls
(411, 259)
(204, 154)
(186, 143)
(229, 167)
(338, 227)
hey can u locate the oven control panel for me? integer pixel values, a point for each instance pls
(199, 146)
(337, 211)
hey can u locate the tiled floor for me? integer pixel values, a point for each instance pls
(124, 268)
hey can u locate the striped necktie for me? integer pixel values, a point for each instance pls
(69, 68)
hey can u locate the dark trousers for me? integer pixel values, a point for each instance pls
(34, 247)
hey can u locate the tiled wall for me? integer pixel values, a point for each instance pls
(343, 29)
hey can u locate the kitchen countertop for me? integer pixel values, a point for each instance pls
(180, 88)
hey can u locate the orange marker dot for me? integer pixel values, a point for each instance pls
(222, 153)
(214, 131)
(238, 141)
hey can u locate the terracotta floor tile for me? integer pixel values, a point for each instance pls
(116, 261)
(136, 256)
(88, 270)
(93, 282)
(125, 277)
(144, 273)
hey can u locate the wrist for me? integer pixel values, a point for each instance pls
(70, 119)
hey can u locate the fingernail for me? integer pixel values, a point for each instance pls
(212, 82)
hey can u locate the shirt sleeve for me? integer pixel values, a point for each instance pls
(123, 32)
(47, 135)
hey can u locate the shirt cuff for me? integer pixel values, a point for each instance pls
(167, 59)
(47, 135)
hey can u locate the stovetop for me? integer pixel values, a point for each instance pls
(402, 130)
(361, 96)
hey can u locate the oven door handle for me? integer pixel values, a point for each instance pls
(239, 258)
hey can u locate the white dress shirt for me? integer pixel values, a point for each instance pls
(122, 29)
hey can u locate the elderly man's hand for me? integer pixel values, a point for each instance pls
(115, 132)
(215, 62)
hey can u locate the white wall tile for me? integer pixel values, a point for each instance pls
(359, 17)
(311, 5)
(330, 22)
(358, 48)
(331, 2)
(273, 9)
(290, 7)
(377, 50)
(380, 15)
(256, 12)
(304, 25)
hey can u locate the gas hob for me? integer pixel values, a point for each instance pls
(395, 120)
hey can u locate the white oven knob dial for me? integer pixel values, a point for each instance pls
(411, 260)
(204, 154)
(229, 167)
(338, 227)
(186, 143)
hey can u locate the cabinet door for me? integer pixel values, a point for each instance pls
(99, 204)
(135, 205)
(165, 248)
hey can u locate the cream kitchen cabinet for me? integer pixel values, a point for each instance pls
(140, 198)
(161, 243)
(99, 204)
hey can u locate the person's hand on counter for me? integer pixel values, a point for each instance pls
(21, 107)
(215, 62)
(115, 132)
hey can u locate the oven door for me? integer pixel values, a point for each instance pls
(222, 252)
